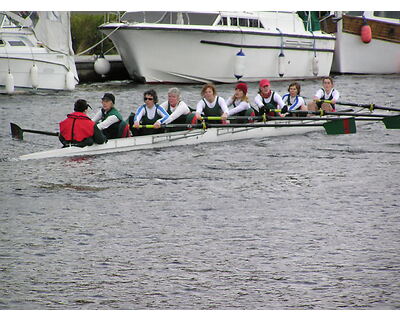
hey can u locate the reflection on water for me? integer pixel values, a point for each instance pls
(301, 222)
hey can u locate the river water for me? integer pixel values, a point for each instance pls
(296, 222)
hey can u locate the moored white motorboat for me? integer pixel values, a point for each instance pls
(367, 42)
(199, 47)
(36, 51)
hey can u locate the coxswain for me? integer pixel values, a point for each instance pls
(292, 100)
(327, 92)
(109, 120)
(267, 100)
(150, 113)
(211, 104)
(78, 129)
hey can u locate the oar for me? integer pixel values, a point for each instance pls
(334, 126)
(370, 106)
(18, 132)
(391, 122)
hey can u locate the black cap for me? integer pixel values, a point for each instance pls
(81, 105)
(109, 96)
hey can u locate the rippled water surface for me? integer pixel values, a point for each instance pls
(296, 222)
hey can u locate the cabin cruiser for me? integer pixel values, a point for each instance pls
(199, 47)
(367, 42)
(36, 51)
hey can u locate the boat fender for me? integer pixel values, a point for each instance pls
(9, 83)
(281, 64)
(70, 81)
(102, 66)
(366, 33)
(239, 64)
(34, 76)
(315, 66)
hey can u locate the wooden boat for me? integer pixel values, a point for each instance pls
(213, 133)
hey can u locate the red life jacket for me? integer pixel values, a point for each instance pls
(77, 127)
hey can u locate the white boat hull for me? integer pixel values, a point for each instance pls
(376, 57)
(180, 138)
(29, 63)
(52, 70)
(198, 54)
(381, 55)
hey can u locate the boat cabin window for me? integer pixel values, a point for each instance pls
(16, 43)
(387, 14)
(2, 43)
(242, 22)
(254, 23)
(223, 21)
(354, 13)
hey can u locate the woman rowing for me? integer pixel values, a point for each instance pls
(211, 104)
(109, 120)
(150, 113)
(293, 100)
(326, 93)
(240, 102)
(78, 130)
(176, 108)
(267, 100)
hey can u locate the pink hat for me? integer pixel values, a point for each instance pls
(264, 82)
(242, 86)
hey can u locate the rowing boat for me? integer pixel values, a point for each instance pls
(186, 137)
(341, 122)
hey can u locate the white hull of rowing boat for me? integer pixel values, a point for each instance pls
(180, 138)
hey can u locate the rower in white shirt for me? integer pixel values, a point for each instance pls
(176, 108)
(293, 100)
(327, 92)
(211, 104)
(239, 101)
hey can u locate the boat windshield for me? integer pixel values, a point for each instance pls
(381, 14)
(171, 17)
(387, 14)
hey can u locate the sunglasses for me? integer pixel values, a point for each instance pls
(148, 99)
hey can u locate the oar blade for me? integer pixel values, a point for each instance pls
(16, 131)
(340, 126)
(392, 122)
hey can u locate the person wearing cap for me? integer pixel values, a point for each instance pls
(267, 99)
(211, 104)
(78, 129)
(327, 92)
(109, 120)
(150, 113)
(240, 102)
(293, 100)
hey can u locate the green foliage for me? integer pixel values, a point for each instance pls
(85, 34)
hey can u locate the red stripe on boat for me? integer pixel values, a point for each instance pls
(346, 126)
